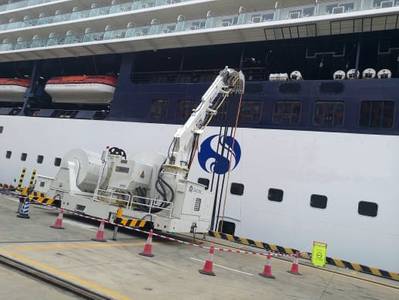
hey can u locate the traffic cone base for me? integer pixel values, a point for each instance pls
(207, 270)
(294, 272)
(267, 272)
(56, 227)
(58, 221)
(208, 265)
(23, 216)
(97, 240)
(147, 251)
(295, 266)
(100, 233)
(207, 273)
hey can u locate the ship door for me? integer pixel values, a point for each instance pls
(229, 210)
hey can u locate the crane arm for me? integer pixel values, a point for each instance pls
(227, 83)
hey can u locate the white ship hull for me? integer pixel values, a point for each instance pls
(347, 168)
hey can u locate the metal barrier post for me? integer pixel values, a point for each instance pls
(115, 234)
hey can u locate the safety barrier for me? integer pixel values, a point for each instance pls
(306, 255)
(21, 179)
(132, 223)
(272, 249)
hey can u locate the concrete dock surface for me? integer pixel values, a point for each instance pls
(116, 270)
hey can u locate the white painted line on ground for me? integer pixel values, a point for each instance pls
(223, 267)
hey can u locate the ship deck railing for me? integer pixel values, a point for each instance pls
(181, 25)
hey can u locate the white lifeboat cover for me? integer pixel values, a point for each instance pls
(13, 90)
(81, 89)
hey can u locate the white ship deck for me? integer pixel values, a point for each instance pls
(120, 28)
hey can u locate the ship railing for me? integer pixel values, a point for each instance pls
(87, 13)
(319, 9)
(134, 203)
(20, 4)
(325, 8)
(182, 76)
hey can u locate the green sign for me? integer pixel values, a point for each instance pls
(319, 254)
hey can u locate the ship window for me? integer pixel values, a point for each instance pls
(251, 112)
(318, 201)
(369, 209)
(275, 195)
(57, 162)
(204, 181)
(329, 114)
(227, 227)
(8, 154)
(40, 159)
(1, 129)
(237, 189)
(287, 112)
(24, 156)
(159, 110)
(185, 109)
(377, 114)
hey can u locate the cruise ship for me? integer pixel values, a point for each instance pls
(314, 155)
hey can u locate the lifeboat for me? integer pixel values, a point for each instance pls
(13, 90)
(81, 89)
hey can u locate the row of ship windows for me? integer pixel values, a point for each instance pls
(372, 114)
(318, 201)
(369, 209)
(39, 158)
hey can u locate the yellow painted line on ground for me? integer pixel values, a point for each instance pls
(54, 246)
(92, 285)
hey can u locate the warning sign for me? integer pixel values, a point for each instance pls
(319, 254)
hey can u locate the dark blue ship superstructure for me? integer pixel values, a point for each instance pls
(163, 86)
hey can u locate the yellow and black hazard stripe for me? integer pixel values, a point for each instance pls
(253, 243)
(284, 250)
(134, 223)
(362, 268)
(32, 179)
(21, 179)
(41, 198)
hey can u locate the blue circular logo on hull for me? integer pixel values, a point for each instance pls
(210, 155)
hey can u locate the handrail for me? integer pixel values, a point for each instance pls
(300, 12)
(129, 202)
(88, 13)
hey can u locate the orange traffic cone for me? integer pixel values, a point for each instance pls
(100, 233)
(147, 251)
(208, 265)
(58, 221)
(295, 265)
(267, 270)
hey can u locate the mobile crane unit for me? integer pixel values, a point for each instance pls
(150, 187)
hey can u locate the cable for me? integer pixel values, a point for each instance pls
(229, 158)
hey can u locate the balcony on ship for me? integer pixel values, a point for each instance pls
(142, 27)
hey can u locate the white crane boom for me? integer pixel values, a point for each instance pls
(228, 82)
